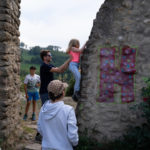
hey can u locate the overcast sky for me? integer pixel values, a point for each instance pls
(55, 22)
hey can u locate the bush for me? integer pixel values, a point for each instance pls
(88, 144)
(70, 89)
(1, 142)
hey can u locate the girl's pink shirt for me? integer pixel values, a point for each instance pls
(75, 56)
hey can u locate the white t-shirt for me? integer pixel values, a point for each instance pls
(31, 82)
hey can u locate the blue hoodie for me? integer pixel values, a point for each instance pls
(57, 125)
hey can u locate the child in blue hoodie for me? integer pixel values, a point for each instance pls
(57, 121)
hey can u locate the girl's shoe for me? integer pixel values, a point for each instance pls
(76, 96)
(33, 117)
(25, 117)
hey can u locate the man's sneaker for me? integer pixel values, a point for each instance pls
(33, 117)
(38, 138)
(25, 117)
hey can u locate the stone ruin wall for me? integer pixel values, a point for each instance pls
(118, 23)
(9, 72)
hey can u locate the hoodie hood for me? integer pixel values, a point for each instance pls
(50, 110)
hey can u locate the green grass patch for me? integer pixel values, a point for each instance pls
(28, 130)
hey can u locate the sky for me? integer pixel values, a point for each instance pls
(56, 22)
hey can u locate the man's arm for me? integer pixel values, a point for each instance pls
(25, 89)
(62, 68)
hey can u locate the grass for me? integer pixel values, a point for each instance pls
(28, 130)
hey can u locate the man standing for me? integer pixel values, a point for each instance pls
(46, 73)
(31, 84)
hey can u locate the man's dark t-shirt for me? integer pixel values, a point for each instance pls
(46, 76)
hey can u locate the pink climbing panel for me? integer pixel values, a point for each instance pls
(107, 72)
(110, 75)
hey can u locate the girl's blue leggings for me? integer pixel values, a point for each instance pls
(74, 68)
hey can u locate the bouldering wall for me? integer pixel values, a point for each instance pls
(113, 67)
(9, 72)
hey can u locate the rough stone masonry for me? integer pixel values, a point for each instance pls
(118, 23)
(9, 72)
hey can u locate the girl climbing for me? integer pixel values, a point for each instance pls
(75, 51)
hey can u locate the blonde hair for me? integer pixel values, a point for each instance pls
(72, 43)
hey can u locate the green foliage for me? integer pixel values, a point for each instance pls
(32, 58)
(35, 50)
(22, 44)
(146, 90)
(88, 144)
(70, 88)
(1, 142)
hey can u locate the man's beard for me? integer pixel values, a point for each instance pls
(49, 61)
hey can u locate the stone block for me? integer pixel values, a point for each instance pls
(5, 36)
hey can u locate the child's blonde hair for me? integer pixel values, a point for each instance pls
(73, 43)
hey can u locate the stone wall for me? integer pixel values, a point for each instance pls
(9, 71)
(118, 23)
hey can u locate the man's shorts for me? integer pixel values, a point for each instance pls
(33, 96)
